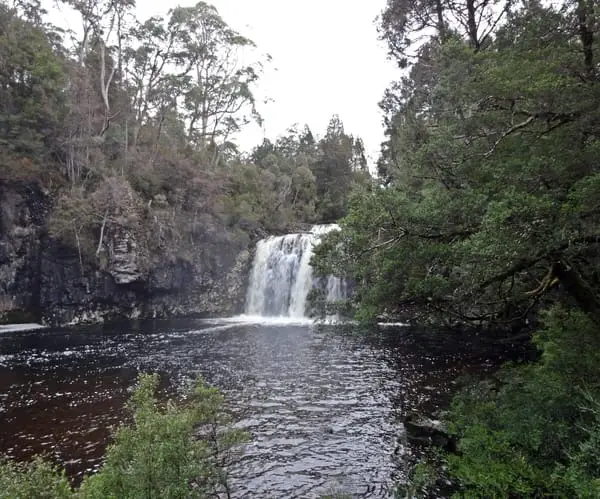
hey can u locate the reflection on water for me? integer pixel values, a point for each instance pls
(323, 404)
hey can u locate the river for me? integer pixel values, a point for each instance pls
(323, 404)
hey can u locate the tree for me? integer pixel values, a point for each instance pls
(31, 85)
(153, 89)
(407, 24)
(340, 156)
(285, 184)
(359, 159)
(487, 217)
(102, 22)
(219, 90)
(159, 456)
(476, 165)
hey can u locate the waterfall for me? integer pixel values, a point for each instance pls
(281, 276)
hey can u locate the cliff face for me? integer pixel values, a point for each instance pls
(42, 278)
(23, 211)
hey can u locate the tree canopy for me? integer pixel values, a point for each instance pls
(131, 125)
(488, 194)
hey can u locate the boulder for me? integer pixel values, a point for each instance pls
(423, 430)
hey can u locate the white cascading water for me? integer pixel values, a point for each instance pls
(281, 276)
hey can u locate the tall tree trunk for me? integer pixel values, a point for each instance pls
(472, 25)
(105, 86)
(441, 25)
(585, 18)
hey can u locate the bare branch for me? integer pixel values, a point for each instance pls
(511, 130)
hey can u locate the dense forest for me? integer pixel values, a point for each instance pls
(130, 125)
(487, 214)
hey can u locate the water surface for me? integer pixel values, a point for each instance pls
(323, 404)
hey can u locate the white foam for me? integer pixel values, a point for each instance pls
(14, 328)
(281, 320)
(269, 321)
(214, 329)
(281, 276)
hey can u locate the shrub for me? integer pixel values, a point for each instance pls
(535, 431)
(35, 480)
(169, 451)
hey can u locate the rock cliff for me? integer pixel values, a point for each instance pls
(43, 278)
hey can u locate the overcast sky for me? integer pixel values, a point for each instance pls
(326, 59)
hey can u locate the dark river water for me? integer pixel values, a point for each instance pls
(323, 404)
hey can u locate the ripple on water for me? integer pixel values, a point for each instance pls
(322, 404)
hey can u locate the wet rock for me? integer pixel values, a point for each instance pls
(427, 431)
(124, 254)
(23, 211)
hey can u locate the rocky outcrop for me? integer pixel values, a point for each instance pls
(124, 254)
(42, 278)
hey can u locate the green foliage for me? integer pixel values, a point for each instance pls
(341, 158)
(296, 180)
(486, 204)
(158, 455)
(420, 480)
(35, 480)
(132, 129)
(31, 82)
(487, 214)
(336, 495)
(535, 431)
(168, 451)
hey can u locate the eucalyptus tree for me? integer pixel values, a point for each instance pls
(152, 85)
(217, 99)
(104, 27)
(189, 63)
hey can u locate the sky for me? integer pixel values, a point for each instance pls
(326, 60)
